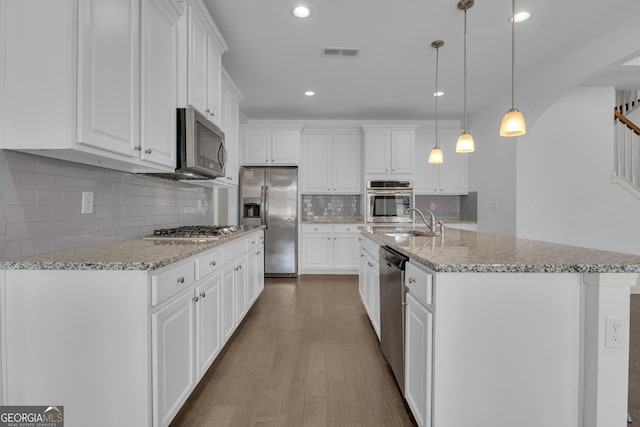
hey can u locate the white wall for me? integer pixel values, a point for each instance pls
(492, 168)
(564, 165)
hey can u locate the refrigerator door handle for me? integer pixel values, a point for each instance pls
(262, 205)
(266, 207)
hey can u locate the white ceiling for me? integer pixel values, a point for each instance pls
(274, 57)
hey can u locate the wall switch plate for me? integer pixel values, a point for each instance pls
(432, 206)
(87, 202)
(614, 333)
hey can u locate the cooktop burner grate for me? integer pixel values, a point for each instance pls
(193, 232)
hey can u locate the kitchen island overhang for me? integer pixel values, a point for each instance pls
(519, 332)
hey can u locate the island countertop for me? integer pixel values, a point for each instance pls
(130, 254)
(461, 251)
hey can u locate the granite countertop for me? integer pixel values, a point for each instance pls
(130, 254)
(461, 251)
(334, 220)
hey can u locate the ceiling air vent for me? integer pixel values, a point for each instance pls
(340, 52)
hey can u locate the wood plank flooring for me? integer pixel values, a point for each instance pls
(306, 355)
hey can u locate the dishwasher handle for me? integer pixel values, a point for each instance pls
(393, 258)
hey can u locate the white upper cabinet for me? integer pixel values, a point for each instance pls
(389, 150)
(108, 90)
(204, 49)
(270, 145)
(331, 163)
(450, 177)
(159, 70)
(230, 98)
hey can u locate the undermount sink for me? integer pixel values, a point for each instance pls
(410, 233)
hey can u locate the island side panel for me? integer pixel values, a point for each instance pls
(79, 339)
(606, 359)
(507, 349)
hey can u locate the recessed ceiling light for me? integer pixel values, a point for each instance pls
(438, 93)
(521, 16)
(309, 93)
(301, 12)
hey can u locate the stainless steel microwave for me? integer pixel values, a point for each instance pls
(201, 151)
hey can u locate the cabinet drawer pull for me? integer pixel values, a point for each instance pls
(195, 299)
(180, 280)
(253, 242)
(138, 147)
(212, 263)
(148, 151)
(239, 267)
(229, 178)
(202, 295)
(412, 280)
(258, 253)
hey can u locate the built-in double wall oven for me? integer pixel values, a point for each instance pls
(388, 201)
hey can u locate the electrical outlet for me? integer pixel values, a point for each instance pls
(87, 202)
(614, 332)
(432, 206)
(494, 206)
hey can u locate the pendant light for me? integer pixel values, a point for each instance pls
(436, 156)
(513, 121)
(465, 140)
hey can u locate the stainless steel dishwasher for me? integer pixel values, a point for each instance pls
(392, 306)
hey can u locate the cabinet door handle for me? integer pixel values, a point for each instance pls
(239, 267)
(202, 295)
(180, 280)
(229, 178)
(138, 147)
(212, 263)
(207, 111)
(195, 299)
(148, 151)
(253, 243)
(412, 280)
(258, 253)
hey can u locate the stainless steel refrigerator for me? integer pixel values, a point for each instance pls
(269, 197)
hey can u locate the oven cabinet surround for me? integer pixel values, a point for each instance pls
(448, 178)
(108, 97)
(389, 151)
(369, 281)
(270, 145)
(331, 162)
(329, 248)
(512, 347)
(134, 341)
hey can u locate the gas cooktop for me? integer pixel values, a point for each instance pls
(193, 233)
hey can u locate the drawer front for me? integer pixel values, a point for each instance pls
(370, 246)
(346, 228)
(419, 283)
(317, 228)
(170, 282)
(209, 262)
(235, 249)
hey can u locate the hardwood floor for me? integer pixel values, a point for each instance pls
(306, 355)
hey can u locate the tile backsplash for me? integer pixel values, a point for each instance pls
(450, 208)
(40, 204)
(319, 206)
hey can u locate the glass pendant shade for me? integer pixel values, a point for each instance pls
(513, 124)
(436, 157)
(465, 143)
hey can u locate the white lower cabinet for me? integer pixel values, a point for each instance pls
(419, 343)
(208, 322)
(418, 360)
(329, 248)
(153, 334)
(369, 281)
(173, 354)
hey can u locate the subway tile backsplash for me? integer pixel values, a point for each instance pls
(450, 208)
(40, 204)
(321, 206)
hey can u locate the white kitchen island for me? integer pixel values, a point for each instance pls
(503, 331)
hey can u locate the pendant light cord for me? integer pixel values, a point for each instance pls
(465, 70)
(513, 54)
(436, 94)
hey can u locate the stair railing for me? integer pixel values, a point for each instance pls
(626, 168)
